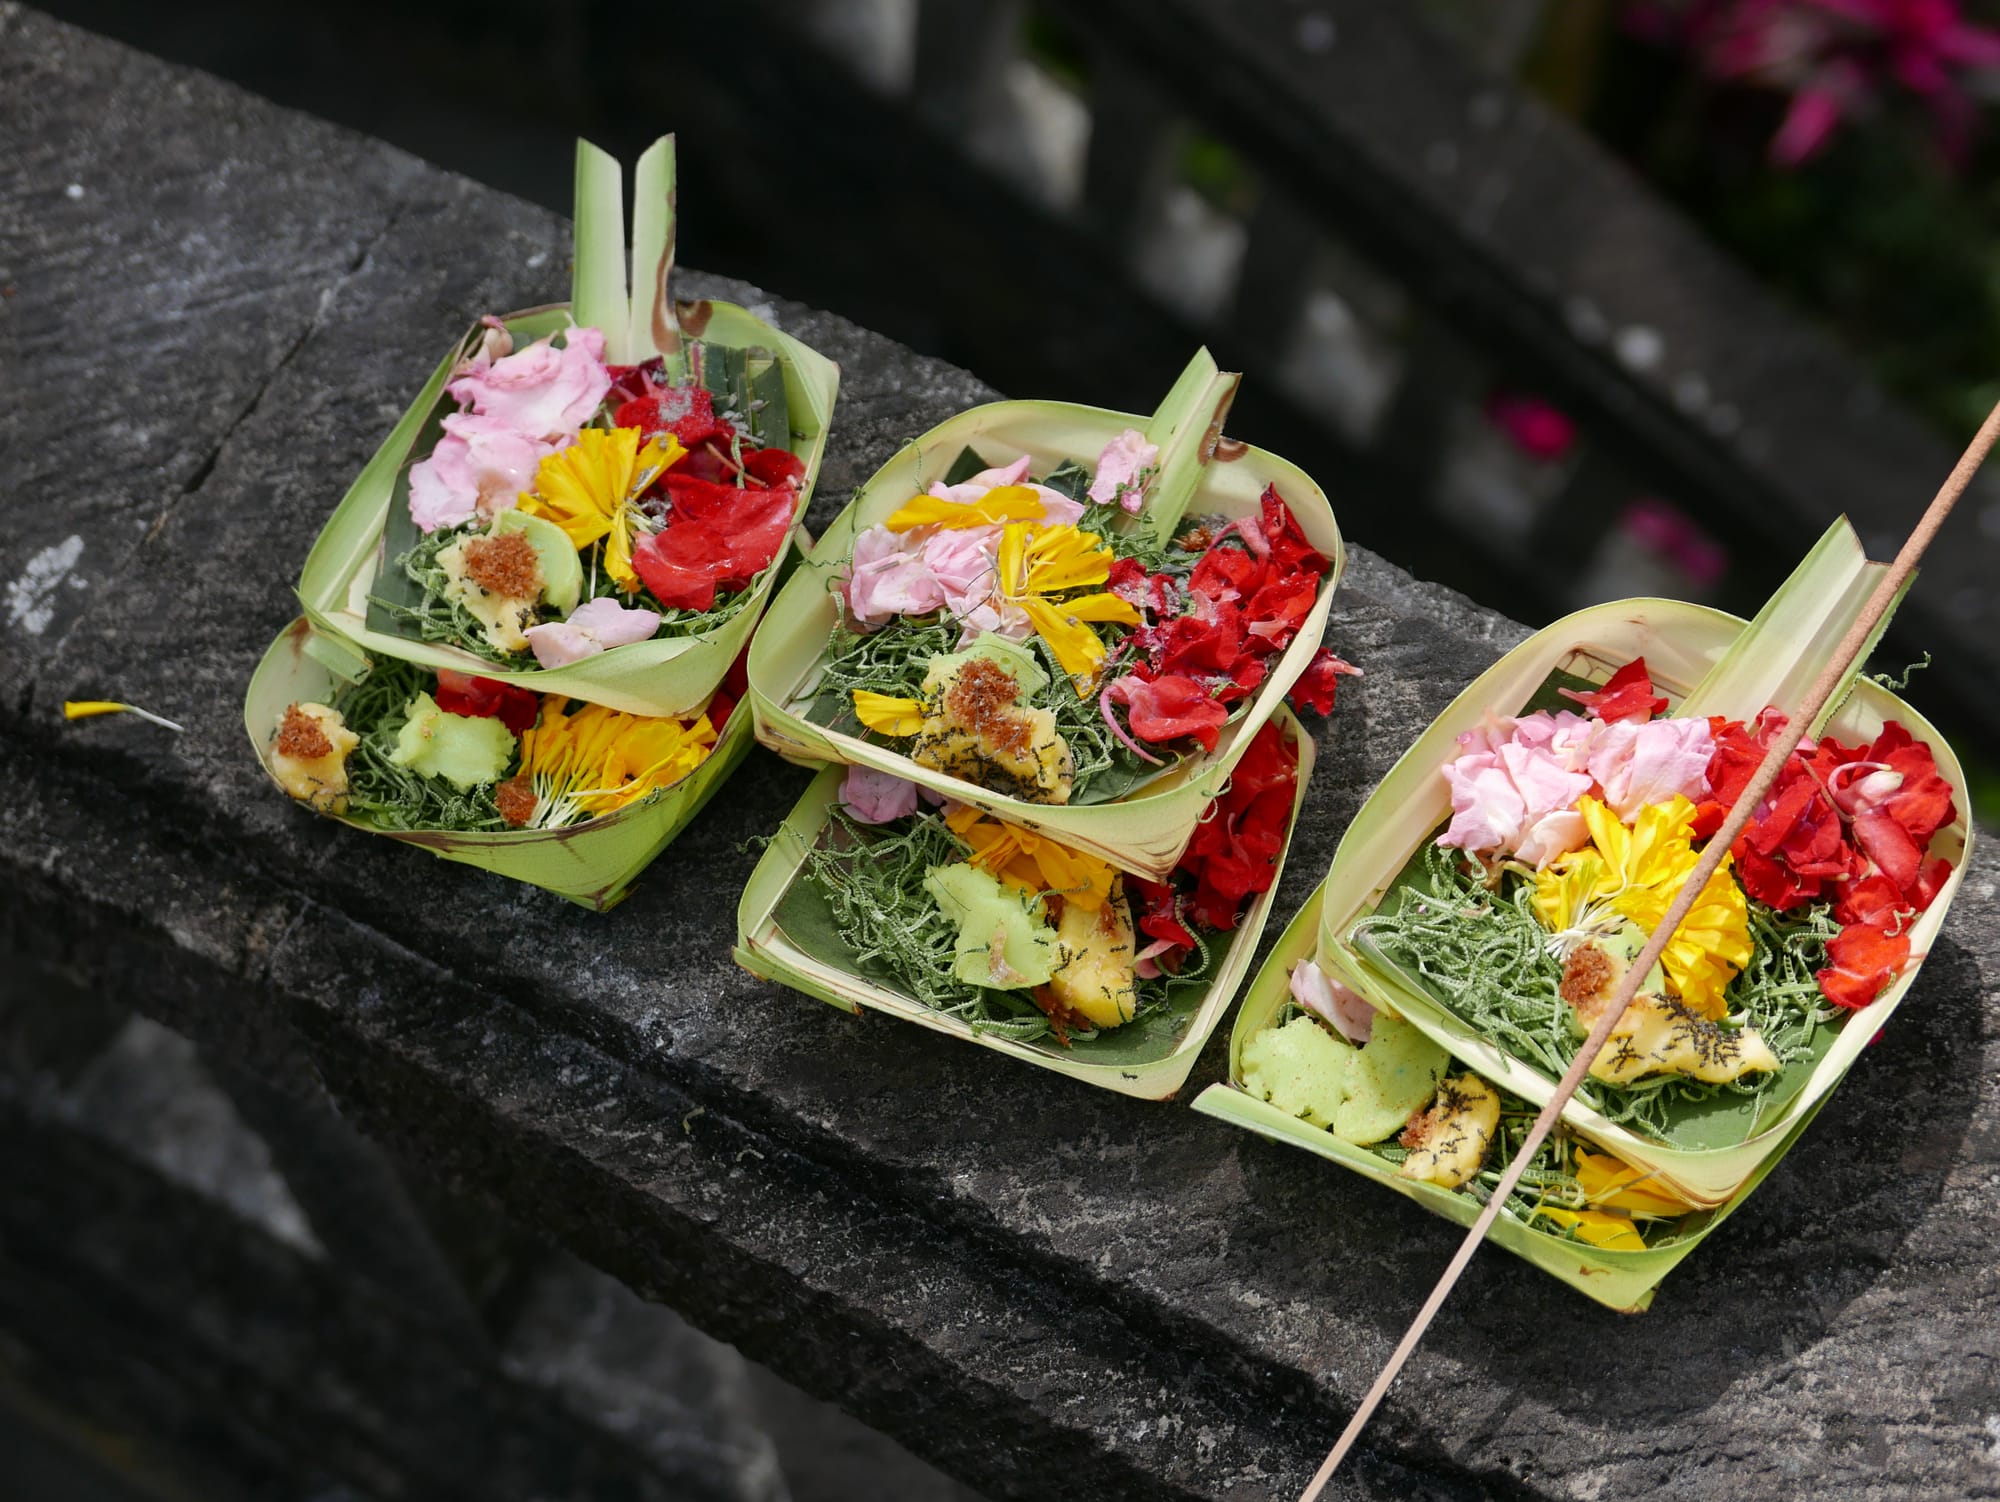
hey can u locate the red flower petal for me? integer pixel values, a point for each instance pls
(716, 537)
(1161, 917)
(1128, 581)
(484, 698)
(687, 412)
(1627, 696)
(1168, 708)
(1889, 846)
(774, 466)
(1863, 959)
(1226, 574)
(1875, 900)
(1316, 685)
(1275, 613)
(1290, 552)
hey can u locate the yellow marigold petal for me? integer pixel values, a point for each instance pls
(887, 714)
(1010, 565)
(1082, 879)
(84, 709)
(1612, 1185)
(1003, 503)
(1061, 558)
(1101, 607)
(1078, 648)
(1614, 1233)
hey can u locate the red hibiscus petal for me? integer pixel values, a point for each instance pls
(1290, 552)
(1863, 959)
(687, 412)
(1168, 708)
(1889, 845)
(717, 537)
(1275, 613)
(1160, 918)
(1627, 695)
(774, 466)
(483, 698)
(1770, 882)
(1316, 685)
(1929, 883)
(1873, 900)
(1226, 573)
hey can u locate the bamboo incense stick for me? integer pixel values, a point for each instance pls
(1852, 645)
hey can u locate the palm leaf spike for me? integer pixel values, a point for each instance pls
(655, 221)
(1833, 676)
(1185, 429)
(637, 315)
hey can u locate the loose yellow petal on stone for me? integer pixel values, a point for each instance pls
(887, 714)
(84, 709)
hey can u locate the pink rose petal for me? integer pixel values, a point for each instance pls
(541, 391)
(479, 467)
(877, 797)
(1348, 1011)
(887, 578)
(594, 626)
(1637, 764)
(1124, 459)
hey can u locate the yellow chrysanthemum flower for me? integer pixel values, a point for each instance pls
(1036, 562)
(1635, 873)
(1033, 862)
(598, 760)
(588, 489)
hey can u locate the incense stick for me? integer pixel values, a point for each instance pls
(1852, 645)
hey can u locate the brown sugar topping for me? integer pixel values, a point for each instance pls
(516, 799)
(981, 698)
(1063, 1019)
(1419, 1130)
(504, 565)
(300, 737)
(1586, 975)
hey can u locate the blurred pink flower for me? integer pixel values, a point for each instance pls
(1539, 430)
(1668, 531)
(1834, 58)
